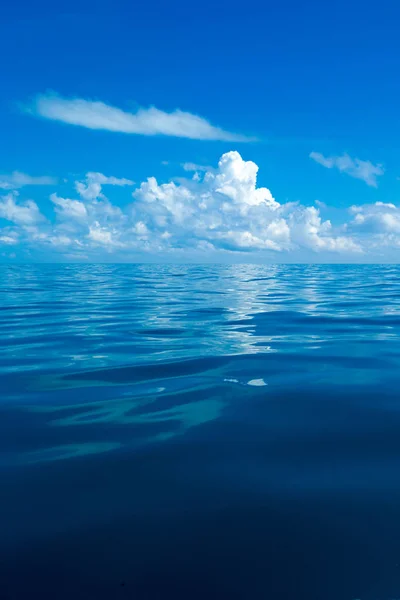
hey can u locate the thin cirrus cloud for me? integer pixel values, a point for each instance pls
(18, 180)
(359, 169)
(188, 166)
(94, 114)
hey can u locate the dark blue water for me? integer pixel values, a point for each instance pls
(192, 432)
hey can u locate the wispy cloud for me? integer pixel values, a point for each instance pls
(360, 169)
(18, 180)
(9, 240)
(188, 166)
(91, 187)
(94, 114)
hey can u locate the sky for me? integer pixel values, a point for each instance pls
(222, 132)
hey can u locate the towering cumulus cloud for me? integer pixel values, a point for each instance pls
(225, 209)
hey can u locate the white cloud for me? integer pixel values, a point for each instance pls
(359, 169)
(309, 231)
(320, 204)
(49, 237)
(90, 189)
(22, 214)
(226, 210)
(379, 218)
(378, 227)
(70, 209)
(94, 114)
(103, 236)
(188, 166)
(18, 180)
(222, 210)
(8, 239)
(60, 240)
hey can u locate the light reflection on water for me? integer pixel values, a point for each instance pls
(85, 328)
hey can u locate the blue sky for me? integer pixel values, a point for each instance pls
(308, 92)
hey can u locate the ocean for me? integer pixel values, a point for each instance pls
(199, 432)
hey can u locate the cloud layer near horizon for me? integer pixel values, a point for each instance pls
(216, 210)
(94, 114)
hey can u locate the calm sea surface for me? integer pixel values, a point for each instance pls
(199, 432)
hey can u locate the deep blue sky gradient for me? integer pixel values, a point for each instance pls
(301, 76)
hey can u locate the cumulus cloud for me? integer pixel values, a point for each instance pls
(90, 189)
(359, 169)
(309, 231)
(226, 210)
(222, 210)
(104, 236)
(94, 114)
(58, 241)
(69, 209)
(26, 213)
(380, 218)
(18, 180)
(378, 228)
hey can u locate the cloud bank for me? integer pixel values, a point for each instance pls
(94, 114)
(216, 210)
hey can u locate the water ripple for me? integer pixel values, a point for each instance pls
(68, 333)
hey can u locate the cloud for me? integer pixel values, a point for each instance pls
(226, 210)
(8, 240)
(359, 169)
(309, 231)
(320, 204)
(69, 209)
(103, 236)
(91, 187)
(94, 114)
(378, 218)
(18, 180)
(223, 210)
(188, 166)
(58, 241)
(26, 213)
(378, 225)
